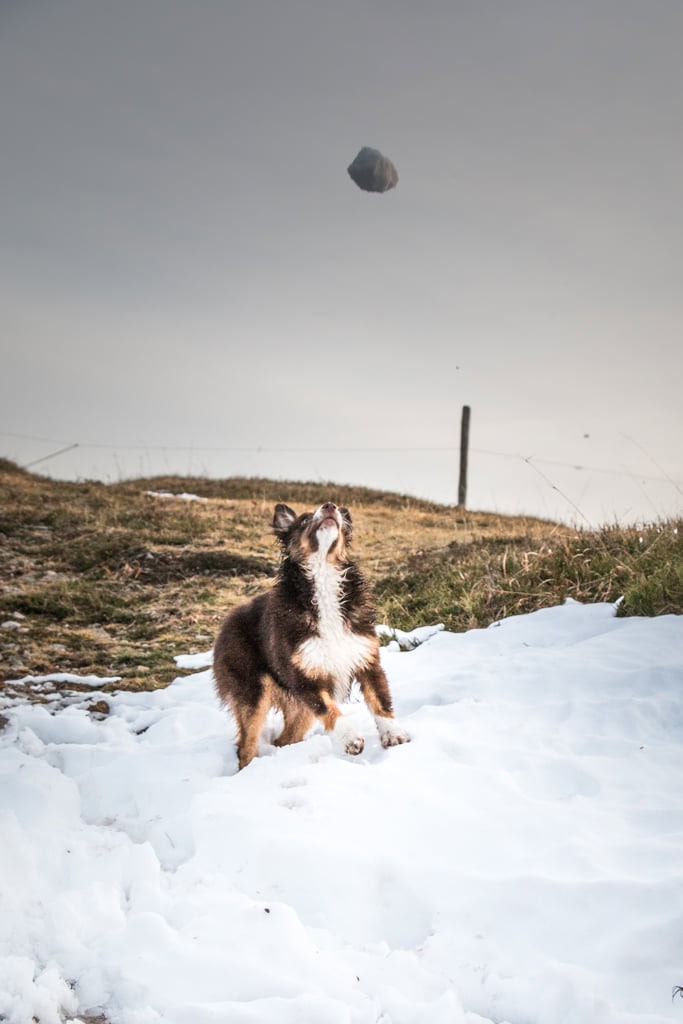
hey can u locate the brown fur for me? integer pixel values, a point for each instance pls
(299, 646)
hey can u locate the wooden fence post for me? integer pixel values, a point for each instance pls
(464, 446)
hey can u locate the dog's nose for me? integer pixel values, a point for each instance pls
(329, 506)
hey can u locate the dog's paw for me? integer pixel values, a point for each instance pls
(355, 746)
(391, 733)
(346, 734)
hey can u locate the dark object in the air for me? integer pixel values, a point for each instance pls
(373, 172)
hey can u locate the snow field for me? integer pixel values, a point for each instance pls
(520, 860)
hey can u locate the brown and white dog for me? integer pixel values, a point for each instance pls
(300, 646)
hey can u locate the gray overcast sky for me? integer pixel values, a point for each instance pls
(185, 264)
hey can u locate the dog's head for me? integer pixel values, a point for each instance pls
(326, 532)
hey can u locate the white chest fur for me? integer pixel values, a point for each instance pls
(334, 650)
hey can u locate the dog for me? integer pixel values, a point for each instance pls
(300, 646)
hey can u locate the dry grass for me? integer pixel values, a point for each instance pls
(476, 583)
(111, 580)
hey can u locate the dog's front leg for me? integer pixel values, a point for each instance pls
(375, 687)
(323, 705)
(344, 730)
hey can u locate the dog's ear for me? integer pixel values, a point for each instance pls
(283, 518)
(347, 528)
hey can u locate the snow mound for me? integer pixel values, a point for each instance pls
(182, 496)
(65, 677)
(520, 860)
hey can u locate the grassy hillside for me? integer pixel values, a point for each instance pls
(113, 580)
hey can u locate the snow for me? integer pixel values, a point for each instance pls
(203, 659)
(521, 860)
(65, 677)
(182, 496)
(399, 640)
